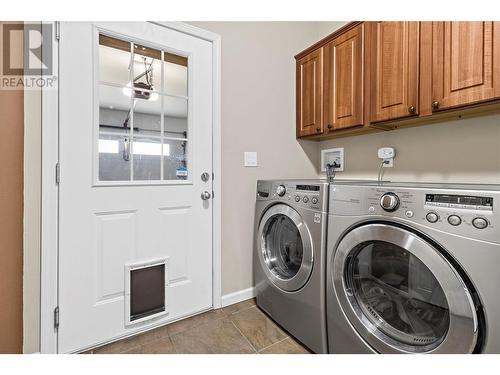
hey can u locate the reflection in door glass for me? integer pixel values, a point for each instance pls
(114, 156)
(175, 161)
(147, 158)
(176, 116)
(114, 60)
(147, 117)
(398, 294)
(142, 96)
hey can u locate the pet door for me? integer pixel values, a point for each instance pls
(145, 291)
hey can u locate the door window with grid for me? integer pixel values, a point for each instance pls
(143, 113)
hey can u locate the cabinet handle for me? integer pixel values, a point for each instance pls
(435, 104)
(318, 130)
(412, 109)
(330, 126)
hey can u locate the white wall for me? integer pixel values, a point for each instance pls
(258, 114)
(326, 28)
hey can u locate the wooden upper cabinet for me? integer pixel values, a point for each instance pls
(310, 94)
(465, 63)
(393, 58)
(343, 90)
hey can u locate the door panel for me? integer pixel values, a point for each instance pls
(394, 49)
(466, 63)
(130, 186)
(310, 94)
(343, 90)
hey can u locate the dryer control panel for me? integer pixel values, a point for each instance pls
(471, 213)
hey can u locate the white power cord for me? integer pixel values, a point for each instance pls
(380, 170)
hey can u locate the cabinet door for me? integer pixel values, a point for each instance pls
(465, 63)
(394, 55)
(344, 80)
(310, 94)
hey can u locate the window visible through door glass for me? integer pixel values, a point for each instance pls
(143, 108)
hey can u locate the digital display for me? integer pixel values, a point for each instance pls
(460, 199)
(308, 187)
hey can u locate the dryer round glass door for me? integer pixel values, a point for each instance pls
(401, 293)
(285, 247)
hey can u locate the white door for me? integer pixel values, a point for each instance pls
(135, 138)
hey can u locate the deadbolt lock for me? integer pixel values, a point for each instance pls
(205, 176)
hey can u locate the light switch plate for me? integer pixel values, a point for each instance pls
(250, 159)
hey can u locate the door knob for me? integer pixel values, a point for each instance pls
(205, 195)
(330, 126)
(435, 104)
(318, 130)
(412, 109)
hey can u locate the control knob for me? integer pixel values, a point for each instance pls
(281, 190)
(432, 217)
(389, 202)
(479, 223)
(454, 220)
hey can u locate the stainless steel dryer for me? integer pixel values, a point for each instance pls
(289, 257)
(413, 268)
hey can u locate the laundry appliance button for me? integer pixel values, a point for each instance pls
(479, 223)
(305, 199)
(454, 220)
(432, 217)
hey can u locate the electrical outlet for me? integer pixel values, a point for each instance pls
(389, 163)
(387, 154)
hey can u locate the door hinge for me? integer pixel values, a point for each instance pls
(58, 30)
(213, 194)
(58, 173)
(56, 317)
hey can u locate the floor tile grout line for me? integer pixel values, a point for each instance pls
(243, 309)
(169, 335)
(246, 338)
(274, 343)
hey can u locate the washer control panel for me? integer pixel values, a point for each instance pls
(296, 193)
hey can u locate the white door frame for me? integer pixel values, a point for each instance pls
(50, 190)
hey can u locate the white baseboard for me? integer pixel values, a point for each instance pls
(239, 296)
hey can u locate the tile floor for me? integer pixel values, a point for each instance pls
(239, 329)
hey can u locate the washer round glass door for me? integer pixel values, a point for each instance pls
(401, 294)
(285, 247)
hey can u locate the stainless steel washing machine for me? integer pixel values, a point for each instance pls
(413, 268)
(290, 255)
